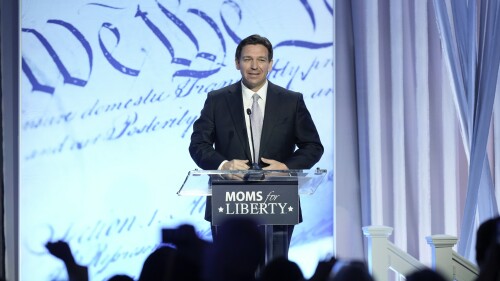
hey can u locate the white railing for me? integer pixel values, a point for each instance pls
(448, 262)
(384, 257)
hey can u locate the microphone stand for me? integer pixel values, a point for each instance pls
(255, 165)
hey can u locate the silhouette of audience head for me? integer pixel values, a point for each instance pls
(181, 260)
(190, 247)
(426, 274)
(168, 264)
(159, 265)
(486, 237)
(281, 269)
(354, 270)
(121, 277)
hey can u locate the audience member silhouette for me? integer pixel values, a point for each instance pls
(488, 250)
(121, 277)
(425, 274)
(182, 263)
(184, 256)
(62, 251)
(190, 247)
(324, 270)
(281, 269)
(239, 250)
(161, 264)
(353, 271)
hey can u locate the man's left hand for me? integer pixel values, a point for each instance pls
(273, 164)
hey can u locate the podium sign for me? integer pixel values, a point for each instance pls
(268, 203)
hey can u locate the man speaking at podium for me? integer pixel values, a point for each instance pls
(254, 123)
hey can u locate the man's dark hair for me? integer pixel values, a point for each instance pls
(255, 40)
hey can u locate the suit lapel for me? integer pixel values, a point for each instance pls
(234, 101)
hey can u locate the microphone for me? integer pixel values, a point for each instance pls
(255, 166)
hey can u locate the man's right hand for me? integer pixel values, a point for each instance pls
(235, 164)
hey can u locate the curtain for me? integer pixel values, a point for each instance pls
(470, 42)
(422, 129)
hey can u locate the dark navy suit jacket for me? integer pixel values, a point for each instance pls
(288, 132)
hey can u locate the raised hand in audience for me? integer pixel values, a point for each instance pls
(62, 251)
(323, 270)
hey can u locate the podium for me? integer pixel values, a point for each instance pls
(270, 197)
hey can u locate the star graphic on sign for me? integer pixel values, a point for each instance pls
(290, 209)
(221, 209)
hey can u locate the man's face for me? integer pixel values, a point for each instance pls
(254, 66)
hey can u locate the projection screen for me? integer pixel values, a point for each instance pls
(109, 93)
